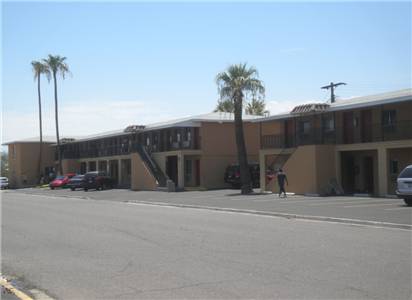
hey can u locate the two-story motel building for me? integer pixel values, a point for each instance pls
(351, 146)
(192, 152)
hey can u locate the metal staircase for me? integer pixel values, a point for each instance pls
(152, 165)
(281, 158)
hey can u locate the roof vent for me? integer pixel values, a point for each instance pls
(310, 108)
(134, 128)
(66, 140)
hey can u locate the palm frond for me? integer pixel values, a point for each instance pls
(240, 81)
(57, 65)
(39, 69)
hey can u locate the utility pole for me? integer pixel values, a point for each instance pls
(332, 86)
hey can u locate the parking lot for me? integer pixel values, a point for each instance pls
(390, 210)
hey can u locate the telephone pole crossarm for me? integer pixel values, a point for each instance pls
(332, 86)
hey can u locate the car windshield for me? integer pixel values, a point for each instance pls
(3, 179)
(60, 177)
(78, 177)
(406, 173)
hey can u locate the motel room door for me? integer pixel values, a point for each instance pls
(366, 123)
(348, 128)
(171, 168)
(289, 133)
(368, 174)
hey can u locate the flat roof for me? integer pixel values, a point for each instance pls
(353, 103)
(224, 117)
(46, 140)
(190, 121)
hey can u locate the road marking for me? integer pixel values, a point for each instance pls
(19, 294)
(367, 205)
(352, 222)
(398, 208)
(353, 202)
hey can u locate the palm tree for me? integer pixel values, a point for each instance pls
(56, 65)
(225, 106)
(237, 84)
(256, 107)
(38, 70)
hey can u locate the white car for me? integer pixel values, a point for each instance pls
(4, 183)
(404, 182)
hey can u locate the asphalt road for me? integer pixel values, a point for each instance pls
(391, 210)
(83, 249)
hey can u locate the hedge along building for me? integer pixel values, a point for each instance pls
(351, 146)
(193, 152)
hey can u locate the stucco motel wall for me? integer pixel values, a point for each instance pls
(141, 178)
(23, 163)
(218, 146)
(309, 169)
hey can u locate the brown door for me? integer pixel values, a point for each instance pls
(348, 127)
(366, 123)
(289, 133)
(368, 174)
(171, 169)
(197, 172)
(348, 172)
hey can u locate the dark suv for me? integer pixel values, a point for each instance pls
(97, 180)
(232, 175)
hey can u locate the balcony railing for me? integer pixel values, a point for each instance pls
(97, 152)
(373, 133)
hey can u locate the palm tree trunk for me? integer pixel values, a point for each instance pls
(241, 148)
(41, 131)
(60, 169)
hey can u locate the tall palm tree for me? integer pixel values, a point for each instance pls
(239, 83)
(38, 70)
(57, 65)
(256, 107)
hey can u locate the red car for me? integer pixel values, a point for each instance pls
(60, 181)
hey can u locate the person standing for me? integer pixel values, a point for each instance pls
(282, 179)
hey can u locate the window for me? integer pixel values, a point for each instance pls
(304, 127)
(187, 134)
(406, 173)
(147, 141)
(389, 117)
(328, 124)
(178, 137)
(394, 167)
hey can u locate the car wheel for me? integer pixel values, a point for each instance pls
(72, 189)
(52, 188)
(408, 201)
(85, 189)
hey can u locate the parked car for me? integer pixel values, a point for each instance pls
(76, 182)
(61, 181)
(4, 183)
(97, 180)
(232, 175)
(404, 185)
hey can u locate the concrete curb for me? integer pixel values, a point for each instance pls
(13, 290)
(283, 215)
